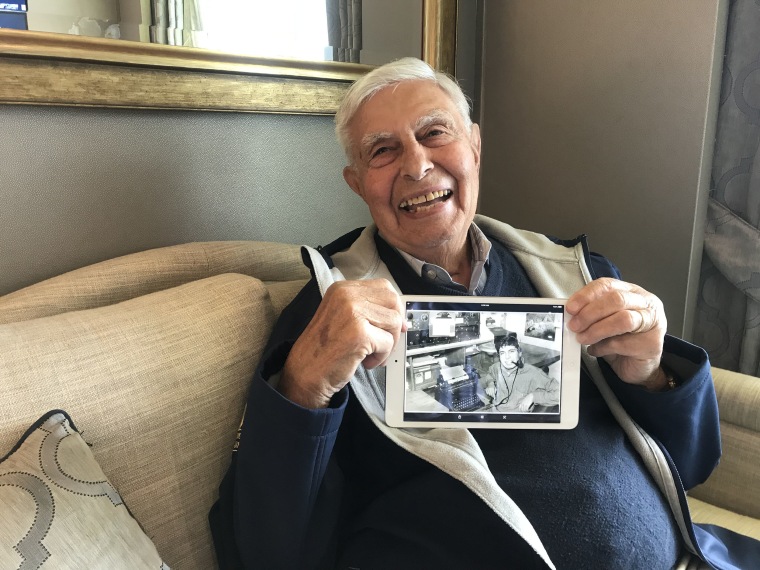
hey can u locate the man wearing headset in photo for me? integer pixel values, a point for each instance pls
(515, 386)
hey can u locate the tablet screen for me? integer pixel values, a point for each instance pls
(484, 362)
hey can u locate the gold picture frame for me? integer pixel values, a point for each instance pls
(40, 68)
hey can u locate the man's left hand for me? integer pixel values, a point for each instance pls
(526, 403)
(625, 325)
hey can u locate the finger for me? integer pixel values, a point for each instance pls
(599, 289)
(340, 323)
(623, 322)
(628, 345)
(381, 346)
(597, 302)
(605, 302)
(631, 369)
(383, 317)
(647, 319)
(375, 302)
(374, 292)
(362, 321)
(383, 334)
(589, 292)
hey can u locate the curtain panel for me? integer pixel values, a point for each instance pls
(176, 23)
(727, 321)
(344, 29)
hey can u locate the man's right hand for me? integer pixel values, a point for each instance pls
(357, 322)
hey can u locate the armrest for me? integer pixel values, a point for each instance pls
(738, 398)
(735, 483)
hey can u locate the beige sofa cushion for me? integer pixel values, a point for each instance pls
(735, 483)
(129, 276)
(157, 385)
(702, 512)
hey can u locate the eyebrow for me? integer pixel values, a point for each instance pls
(370, 140)
(433, 117)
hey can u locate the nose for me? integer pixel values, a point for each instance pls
(416, 162)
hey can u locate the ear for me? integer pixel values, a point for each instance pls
(475, 142)
(352, 179)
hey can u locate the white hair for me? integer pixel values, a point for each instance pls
(405, 69)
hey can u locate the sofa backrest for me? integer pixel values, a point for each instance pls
(136, 274)
(151, 355)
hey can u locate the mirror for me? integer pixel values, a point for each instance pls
(43, 68)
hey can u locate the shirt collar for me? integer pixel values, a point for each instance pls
(481, 248)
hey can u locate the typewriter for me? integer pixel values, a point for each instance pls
(457, 388)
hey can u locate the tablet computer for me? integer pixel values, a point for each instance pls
(484, 362)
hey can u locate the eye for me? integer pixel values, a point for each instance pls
(435, 135)
(382, 155)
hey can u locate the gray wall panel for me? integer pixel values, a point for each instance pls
(598, 118)
(82, 185)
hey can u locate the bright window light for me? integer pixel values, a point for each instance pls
(295, 29)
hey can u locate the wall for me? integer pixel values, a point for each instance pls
(134, 20)
(598, 118)
(82, 185)
(390, 29)
(469, 52)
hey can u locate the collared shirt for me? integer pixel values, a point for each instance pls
(481, 247)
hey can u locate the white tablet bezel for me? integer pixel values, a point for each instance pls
(570, 362)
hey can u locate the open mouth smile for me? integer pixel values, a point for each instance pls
(426, 201)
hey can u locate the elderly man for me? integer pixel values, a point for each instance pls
(319, 480)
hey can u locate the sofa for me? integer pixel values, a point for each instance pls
(124, 384)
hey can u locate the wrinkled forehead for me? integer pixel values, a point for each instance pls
(408, 105)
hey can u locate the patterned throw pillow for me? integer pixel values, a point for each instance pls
(58, 510)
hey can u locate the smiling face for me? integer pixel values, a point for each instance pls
(416, 165)
(509, 356)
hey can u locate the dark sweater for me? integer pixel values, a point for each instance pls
(587, 493)
(325, 489)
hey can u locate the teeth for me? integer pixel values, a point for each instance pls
(424, 198)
